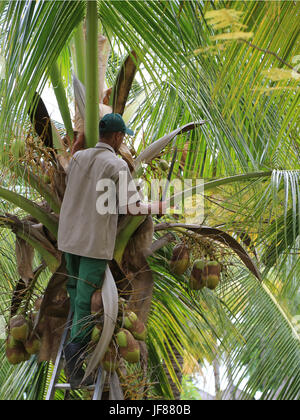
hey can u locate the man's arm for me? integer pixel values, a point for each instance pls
(134, 206)
(139, 208)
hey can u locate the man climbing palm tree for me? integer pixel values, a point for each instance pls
(88, 227)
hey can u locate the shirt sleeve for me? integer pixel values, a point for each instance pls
(70, 166)
(126, 189)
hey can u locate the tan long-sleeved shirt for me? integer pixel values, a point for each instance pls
(92, 201)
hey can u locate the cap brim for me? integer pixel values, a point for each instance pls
(128, 131)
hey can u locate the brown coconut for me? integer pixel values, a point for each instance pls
(33, 344)
(129, 318)
(19, 328)
(138, 330)
(196, 280)
(96, 302)
(128, 346)
(15, 351)
(110, 360)
(211, 274)
(58, 305)
(180, 259)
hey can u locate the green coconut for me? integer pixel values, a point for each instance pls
(196, 280)
(110, 359)
(211, 274)
(19, 328)
(128, 346)
(180, 259)
(163, 164)
(138, 330)
(129, 318)
(15, 351)
(96, 333)
(33, 344)
(96, 302)
(121, 337)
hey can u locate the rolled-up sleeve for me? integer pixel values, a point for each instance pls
(126, 189)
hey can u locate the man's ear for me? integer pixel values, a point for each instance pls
(79, 143)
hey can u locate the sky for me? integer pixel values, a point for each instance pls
(49, 99)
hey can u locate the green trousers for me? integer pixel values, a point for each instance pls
(85, 276)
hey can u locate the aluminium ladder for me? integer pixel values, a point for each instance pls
(54, 385)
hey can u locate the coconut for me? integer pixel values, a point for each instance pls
(19, 328)
(96, 302)
(58, 304)
(129, 318)
(138, 330)
(110, 359)
(129, 347)
(96, 333)
(196, 280)
(32, 344)
(15, 351)
(211, 274)
(123, 302)
(163, 164)
(121, 337)
(180, 259)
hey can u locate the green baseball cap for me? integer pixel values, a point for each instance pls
(112, 123)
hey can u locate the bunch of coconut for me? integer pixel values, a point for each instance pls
(205, 274)
(129, 331)
(22, 341)
(180, 259)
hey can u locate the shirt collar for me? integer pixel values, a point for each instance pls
(102, 145)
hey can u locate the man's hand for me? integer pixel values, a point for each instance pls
(156, 207)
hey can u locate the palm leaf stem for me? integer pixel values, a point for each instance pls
(33, 209)
(61, 98)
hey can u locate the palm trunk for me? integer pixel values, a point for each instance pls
(91, 77)
(216, 367)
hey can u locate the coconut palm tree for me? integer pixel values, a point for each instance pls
(234, 66)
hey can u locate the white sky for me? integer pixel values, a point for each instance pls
(49, 99)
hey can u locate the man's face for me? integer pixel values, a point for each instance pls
(119, 137)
